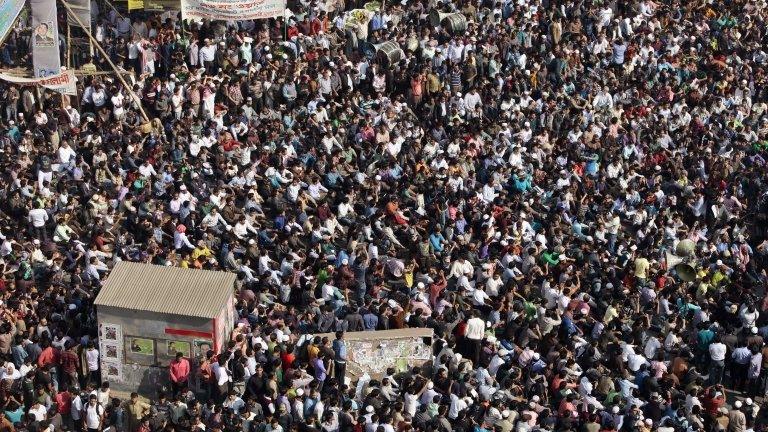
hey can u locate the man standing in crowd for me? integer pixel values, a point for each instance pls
(179, 371)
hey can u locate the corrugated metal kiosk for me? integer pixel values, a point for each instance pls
(148, 313)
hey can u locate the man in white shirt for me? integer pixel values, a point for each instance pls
(92, 360)
(652, 346)
(243, 227)
(497, 360)
(94, 414)
(222, 377)
(66, 156)
(147, 170)
(460, 267)
(213, 220)
(233, 402)
(38, 410)
(207, 56)
(717, 350)
(472, 99)
(458, 405)
(474, 333)
(117, 106)
(74, 117)
(37, 218)
(635, 361)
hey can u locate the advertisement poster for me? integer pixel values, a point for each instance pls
(9, 11)
(231, 9)
(110, 332)
(45, 39)
(141, 346)
(112, 371)
(173, 347)
(202, 346)
(111, 351)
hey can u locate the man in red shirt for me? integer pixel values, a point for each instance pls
(714, 399)
(49, 356)
(287, 358)
(179, 371)
(63, 401)
(70, 364)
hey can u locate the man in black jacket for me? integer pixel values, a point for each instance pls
(257, 383)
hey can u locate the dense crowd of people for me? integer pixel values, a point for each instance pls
(522, 186)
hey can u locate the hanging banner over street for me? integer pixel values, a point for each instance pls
(9, 11)
(63, 83)
(83, 10)
(135, 4)
(45, 38)
(237, 10)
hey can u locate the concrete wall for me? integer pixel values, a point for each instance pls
(147, 374)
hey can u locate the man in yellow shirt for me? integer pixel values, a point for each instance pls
(610, 313)
(137, 409)
(201, 250)
(314, 348)
(433, 82)
(641, 268)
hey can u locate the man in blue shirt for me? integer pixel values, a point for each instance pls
(377, 22)
(13, 132)
(437, 239)
(340, 359)
(320, 372)
(370, 320)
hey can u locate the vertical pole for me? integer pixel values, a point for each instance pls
(90, 50)
(285, 25)
(69, 45)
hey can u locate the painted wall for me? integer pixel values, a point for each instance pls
(224, 324)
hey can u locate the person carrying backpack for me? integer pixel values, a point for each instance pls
(93, 414)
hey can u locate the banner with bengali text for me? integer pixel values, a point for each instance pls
(64, 83)
(236, 10)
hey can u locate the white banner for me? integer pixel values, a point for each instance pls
(63, 83)
(237, 10)
(83, 10)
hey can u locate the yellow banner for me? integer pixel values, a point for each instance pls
(135, 4)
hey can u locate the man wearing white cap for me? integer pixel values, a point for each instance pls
(737, 421)
(497, 360)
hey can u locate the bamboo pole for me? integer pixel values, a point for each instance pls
(69, 46)
(96, 43)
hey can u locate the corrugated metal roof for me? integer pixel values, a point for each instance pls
(170, 290)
